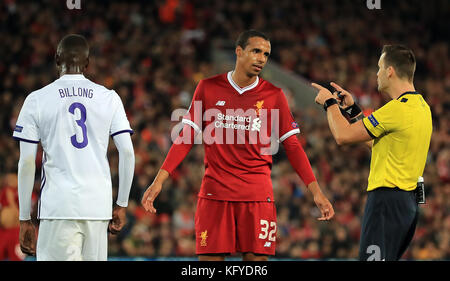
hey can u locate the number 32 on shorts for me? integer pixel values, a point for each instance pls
(268, 230)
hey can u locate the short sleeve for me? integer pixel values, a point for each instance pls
(120, 123)
(27, 126)
(384, 120)
(194, 115)
(286, 122)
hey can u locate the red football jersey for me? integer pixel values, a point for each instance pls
(241, 129)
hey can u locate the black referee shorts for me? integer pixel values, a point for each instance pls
(388, 226)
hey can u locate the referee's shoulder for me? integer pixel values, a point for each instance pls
(393, 105)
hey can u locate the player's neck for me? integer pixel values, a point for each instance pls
(242, 79)
(73, 69)
(399, 88)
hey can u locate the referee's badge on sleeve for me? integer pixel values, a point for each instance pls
(373, 120)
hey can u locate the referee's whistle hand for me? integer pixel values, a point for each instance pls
(149, 197)
(347, 99)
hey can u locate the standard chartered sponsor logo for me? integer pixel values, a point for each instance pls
(246, 122)
(230, 126)
(227, 122)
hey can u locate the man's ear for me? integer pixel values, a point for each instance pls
(390, 71)
(239, 51)
(57, 60)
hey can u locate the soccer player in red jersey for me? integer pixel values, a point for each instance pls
(242, 118)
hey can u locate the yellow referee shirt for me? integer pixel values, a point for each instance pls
(402, 131)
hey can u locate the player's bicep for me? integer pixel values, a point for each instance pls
(193, 116)
(285, 124)
(384, 120)
(359, 133)
(27, 124)
(119, 122)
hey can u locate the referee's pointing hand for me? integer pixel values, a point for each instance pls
(322, 95)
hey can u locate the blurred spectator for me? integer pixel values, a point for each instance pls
(9, 219)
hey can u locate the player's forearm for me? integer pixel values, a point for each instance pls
(298, 159)
(314, 188)
(26, 172)
(126, 167)
(179, 149)
(161, 177)
(339, 126)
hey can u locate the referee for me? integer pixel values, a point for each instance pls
(399, 134)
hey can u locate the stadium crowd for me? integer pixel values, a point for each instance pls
(154, 55)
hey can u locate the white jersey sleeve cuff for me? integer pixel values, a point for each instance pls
(288, 134)
(192, 124)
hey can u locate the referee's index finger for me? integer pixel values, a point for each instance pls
(317, 86)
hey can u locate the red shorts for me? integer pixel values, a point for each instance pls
(229, 227)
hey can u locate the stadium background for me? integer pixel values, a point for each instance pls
(153, 53)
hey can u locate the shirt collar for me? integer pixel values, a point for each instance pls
(407, 93)
(236, 86)
(72, 77)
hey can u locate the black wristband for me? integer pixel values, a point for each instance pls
(329, 102)
(353, 110)
(359, 117)
(344, 113)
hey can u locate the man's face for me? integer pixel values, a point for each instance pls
(255, 55)
(382, 75)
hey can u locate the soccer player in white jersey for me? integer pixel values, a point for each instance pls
(73, 119)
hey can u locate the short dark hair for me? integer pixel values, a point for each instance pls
(244, 36)
(73, 40)
(401, 59)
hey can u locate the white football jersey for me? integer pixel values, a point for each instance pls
(73, 119)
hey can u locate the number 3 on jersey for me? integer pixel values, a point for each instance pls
(81, 122)
(265, 230)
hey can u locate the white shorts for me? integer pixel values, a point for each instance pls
(72, 240)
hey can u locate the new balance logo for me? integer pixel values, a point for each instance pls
(267, 244)
(220, 103)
